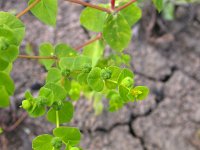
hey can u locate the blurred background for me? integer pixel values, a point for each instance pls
(165, 51)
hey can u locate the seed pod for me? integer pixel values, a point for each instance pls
(26, 104)
(65, 72)
(86, 68)
(56, 142)
(106, 74)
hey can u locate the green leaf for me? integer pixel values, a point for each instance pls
(10, 21)
(46, 11)
(81, 61)
(94, 79)
(115, 102)
(132, 14)
(38, 107)
(98, 104)
(7, 82)
(124, 91)
(139, 92)
(46, 49)
(125, 73)
(6, 37)
(4, 97)
(42, 142)
(93, 19)
(67, 63)
(82, 78)
(117, 32)
(70, 135)
(94, 51)
(28, 95)
(158, 4)
(75, 90)
(8, 69)
(65, 113)
(66, 83)
(3, 64)
(63, 50)
(48, 94)
(54, 75)
(112, 82)
(58, 91)
(10, 54)
(168, 11)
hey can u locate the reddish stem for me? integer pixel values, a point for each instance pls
(125, 5)
(17, 123)
(112, 4)
(28, 8)
(99, 36)
(90, 5)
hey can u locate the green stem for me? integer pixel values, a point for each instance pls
(57, 120)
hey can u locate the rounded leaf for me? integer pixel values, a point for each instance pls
(65, 113)
(54, 75)
(69, 135)
(42, 142)
(14, 24)
(94, 79)
(4, 97)
(93, 19)
(46, 11)
(117, 32)
(46, 49)
(7, 82)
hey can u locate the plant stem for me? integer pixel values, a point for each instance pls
(125, 5)
(28, 8)
(90, 5)
(57, 120)
(112, 4)
(99, 36)
(37, 57)
(17, 123)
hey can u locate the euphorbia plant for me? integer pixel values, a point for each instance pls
(72, 73)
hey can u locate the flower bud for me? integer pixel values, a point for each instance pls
(106, 74)
(56, 142)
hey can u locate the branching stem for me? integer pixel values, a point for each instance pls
(99, 36)
(124, 6)
(112, 4)
(28, 8)
(90, 5)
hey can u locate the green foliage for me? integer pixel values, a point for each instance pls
(42, 142)
(96, 20)
(117, 32)
(158, 4)
(93, 73)
(65, 113)
(46, 49)
(94, 51)
(46, 11)
(69, 135)
(95, 80)
(132, 14)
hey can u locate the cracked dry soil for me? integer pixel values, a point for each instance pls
(169, 119)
